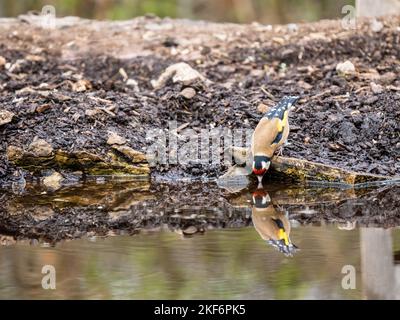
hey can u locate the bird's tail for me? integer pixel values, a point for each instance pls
(287, 102)
(279, 110)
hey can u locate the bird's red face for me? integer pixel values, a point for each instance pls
(261, 165)
(259, 172)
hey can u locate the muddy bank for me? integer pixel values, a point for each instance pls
(72, 93)
(109, 208)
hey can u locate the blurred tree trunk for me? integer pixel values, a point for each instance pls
(244, 10)
(379, 277)
(185, 9)
(373, 8)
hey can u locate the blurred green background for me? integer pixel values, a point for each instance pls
(242, 11)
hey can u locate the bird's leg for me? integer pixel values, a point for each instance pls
(279, 151)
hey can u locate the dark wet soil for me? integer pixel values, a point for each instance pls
(339, 119)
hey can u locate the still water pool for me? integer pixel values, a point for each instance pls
(219, 264)
(136, 240)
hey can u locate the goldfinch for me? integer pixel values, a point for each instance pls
(272, 225)
(270, 134)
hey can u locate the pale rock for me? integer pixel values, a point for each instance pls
(40, 148)
(257, 73)
(292, 27)
(376, 26)
(188, 93)
(14, 153)
(53, 181)
(345, 68)
(348, 225)
(123, 74)
(132, 83)
(5, 117)
(3, 61)
(42, 213)
(304, 85)
(7, 240)
(92, 112)
(81, 85)
(278, 40)
(387, 78)
(376, 88)
(114, 138)
(189, 230)
(180, 72)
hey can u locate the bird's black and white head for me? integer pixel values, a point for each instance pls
(260, 166)
(261, 199)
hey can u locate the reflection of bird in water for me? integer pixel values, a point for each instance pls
(272, 225)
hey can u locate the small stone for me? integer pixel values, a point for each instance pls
(2, 61)
(304, 85)
(114, 138)
(123, 73)
(376, 88)
(14, 153)
(387, 78)
(376, 26)
(132, 83)
(40, 148)
(81, 85)
(348, 225)
(369, 100)
(371, 74)
(92, 112)
(257, 73)
(34, 58)
(262, 108)
(43, 108)
(345, 68)
(179, 72)
(189, 230)
(227, 69)
(7, 240)
(53, 181)
(278, 40)
(292, 27)
(5, 117)
(42, 213)
(188, 93)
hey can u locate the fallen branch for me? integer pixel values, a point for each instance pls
(305, 171)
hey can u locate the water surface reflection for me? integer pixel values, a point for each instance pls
(220, 264)
(271, 223)
(199, 241)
